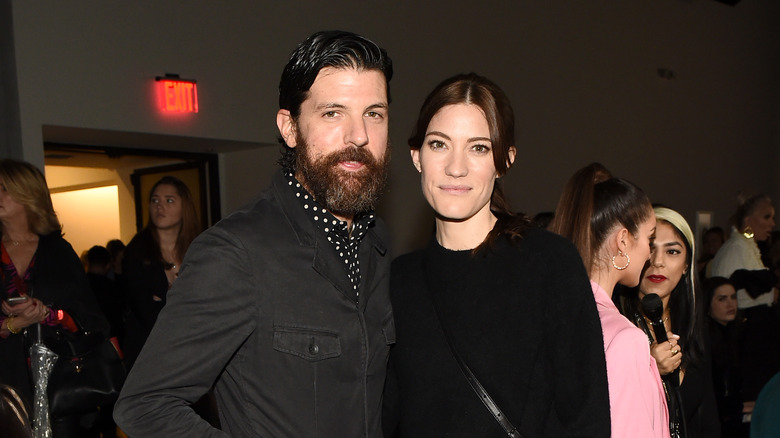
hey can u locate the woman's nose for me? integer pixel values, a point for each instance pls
(456, 165)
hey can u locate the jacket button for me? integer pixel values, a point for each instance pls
(313, 347)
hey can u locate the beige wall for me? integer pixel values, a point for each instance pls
(582, 77)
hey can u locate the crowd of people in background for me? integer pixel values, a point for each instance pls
(606, 315)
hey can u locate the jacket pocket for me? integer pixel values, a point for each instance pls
(310, 344)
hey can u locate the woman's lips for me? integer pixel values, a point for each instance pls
(455, 189)
(656, 278)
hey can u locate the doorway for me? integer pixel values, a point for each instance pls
(97, 191)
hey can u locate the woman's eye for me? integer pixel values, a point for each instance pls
(436, 144)
(481, 148)
(329, 114)
(169, 200)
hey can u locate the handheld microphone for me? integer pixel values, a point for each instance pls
(653, 308)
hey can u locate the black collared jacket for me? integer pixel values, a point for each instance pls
(264, 310)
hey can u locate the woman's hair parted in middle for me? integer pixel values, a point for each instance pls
(473, 89)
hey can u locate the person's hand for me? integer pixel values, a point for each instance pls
(28, 313)
(11, 310)
(667, 354)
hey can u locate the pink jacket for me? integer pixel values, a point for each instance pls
(636, 396)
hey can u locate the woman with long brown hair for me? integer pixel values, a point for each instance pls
(153, 258)
(511, 301)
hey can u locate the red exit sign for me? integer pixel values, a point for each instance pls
(177, 95)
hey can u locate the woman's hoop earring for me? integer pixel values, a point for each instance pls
(748, 233)
(628, 260)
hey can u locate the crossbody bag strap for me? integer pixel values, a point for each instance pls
(475, 385)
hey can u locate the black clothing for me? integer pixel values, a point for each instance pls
(264, 308)
(145, 287)
(111, 302)
(523, 319)
(59, 281)
(726, 344)
(698, 397)
(343, 239)
(699, 408)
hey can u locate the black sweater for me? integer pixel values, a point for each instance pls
(524, 320)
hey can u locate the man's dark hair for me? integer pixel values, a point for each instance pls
(332, 48)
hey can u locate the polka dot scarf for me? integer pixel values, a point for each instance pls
(345, 244)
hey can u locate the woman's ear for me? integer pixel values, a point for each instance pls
(511, 153)
(621, 239)
(416, 159)
(286, 125)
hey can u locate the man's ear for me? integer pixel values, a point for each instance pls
(286, 125)
(416, 159)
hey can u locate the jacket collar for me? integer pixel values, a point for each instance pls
(325, 260)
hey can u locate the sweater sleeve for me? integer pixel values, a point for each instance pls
(576, 348)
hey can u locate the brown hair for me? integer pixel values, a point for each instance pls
(27, 185)
(190, 225)
(592, 204)
(473, 89)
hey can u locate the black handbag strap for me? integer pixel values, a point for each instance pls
(475, 385)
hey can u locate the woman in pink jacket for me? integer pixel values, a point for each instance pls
(611, 222)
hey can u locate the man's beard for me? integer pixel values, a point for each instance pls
(342, 192)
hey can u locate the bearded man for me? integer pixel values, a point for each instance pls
(283, 306)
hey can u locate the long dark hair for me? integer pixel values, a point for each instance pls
(190, 225)
(473, 89)
(686, 304)
(592, 204)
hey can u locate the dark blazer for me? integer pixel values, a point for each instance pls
(264, 308)
(59, 281)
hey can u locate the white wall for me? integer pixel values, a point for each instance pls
(582, 77)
